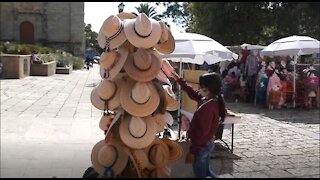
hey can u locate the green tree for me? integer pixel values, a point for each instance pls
(91, 39)
(178, 11)
(150, 11)
(232, 23)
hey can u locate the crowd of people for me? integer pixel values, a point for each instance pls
(268, 81)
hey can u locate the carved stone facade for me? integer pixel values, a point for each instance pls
(54, 24)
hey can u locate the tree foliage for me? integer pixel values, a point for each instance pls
(232, 23)
(149, 10)
(91, 39)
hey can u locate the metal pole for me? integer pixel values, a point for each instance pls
(179, 98)
(294, 80)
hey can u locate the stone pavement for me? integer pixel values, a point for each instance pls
(48, 128)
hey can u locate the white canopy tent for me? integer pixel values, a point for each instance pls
(292, 46)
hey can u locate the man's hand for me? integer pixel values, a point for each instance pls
(189, 158)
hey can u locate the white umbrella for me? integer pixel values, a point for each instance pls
(197, 49)
(292, 46)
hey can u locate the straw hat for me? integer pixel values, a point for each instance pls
(111, 34)
(173, 105)
(108, 159)
(112, 62)
(158, 154)
(168, 118)
(142, 32)
(143, 65)
(166, 44)
(167, 68)
(160, 120)
(126, 15)
(139, 98)
(108, 120)
(137, 132)
(163, 78)
(139, 159)
(175, 149)
(106, 96)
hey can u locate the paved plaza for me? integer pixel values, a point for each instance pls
(48, 128)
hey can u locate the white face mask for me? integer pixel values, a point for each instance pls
(204, 94)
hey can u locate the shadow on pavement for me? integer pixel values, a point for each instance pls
(297, 115)
(221, 162)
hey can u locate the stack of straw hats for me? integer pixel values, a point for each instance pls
(134, 95)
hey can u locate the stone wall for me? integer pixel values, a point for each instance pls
(56, 24)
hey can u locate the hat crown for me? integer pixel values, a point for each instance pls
(111, 26)
(157, 155)
(143, 25)
(137, 127)
(108, 58)
(106, 89)
(142, 59)
(140, 93)
(164, 34)
(107, 155)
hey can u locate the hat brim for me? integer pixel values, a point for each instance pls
(175, 149)
(104, 120)
(139, 160)
(117, 68)
(160, 120)
(141, 142)
(143, 76)
(172, 104)
(166, 154)
(119, 165)
(138, 110)
(126, 15)
(141, 42)
(168, 46)
(113, 103)
(114, 43)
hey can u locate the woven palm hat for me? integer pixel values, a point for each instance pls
(173, 104)
(166, 44)
(112, 62)
(163, 78)
(139, 160)
(143, 65)
(137, 132)
(111, 34)
(126, 15)
(160, 120)
(175, 149)
(107, 121)
(106, 96)
(168, 118)
(139, 98)
(158, 154)
(108, 159)
(167, 68)
(142, 32)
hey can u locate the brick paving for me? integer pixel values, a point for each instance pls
(48, 128)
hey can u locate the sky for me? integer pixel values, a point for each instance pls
(96, 12)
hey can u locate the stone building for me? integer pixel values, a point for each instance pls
(58, 25)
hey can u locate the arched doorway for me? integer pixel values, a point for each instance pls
(26, 32)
